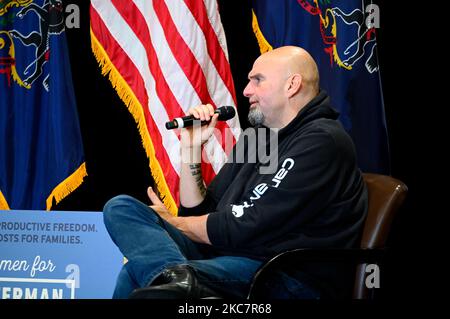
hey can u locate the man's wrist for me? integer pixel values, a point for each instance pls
(191, 154)
(190, 147)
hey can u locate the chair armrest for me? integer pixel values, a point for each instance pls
(301, 255)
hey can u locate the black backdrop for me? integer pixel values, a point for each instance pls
(117, 163)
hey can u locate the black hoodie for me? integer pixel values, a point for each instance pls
(314, 198)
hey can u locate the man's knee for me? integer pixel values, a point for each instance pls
(116, 207)
(124, 207)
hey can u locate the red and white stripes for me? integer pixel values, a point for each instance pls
(165, 57)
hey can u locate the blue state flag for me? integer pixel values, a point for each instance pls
(41, 151)
(341, 36)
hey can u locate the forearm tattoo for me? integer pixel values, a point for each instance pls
(196, 172)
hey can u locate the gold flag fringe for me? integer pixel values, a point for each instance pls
(264, 45)
(127, 95)
(3, 203)
(59, 192)
(67, 186)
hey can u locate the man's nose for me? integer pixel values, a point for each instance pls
(247, 91)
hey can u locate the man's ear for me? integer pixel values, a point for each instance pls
(294, 84)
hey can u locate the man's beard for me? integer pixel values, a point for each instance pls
(256, 117)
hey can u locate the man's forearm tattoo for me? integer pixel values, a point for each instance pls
(196, 172)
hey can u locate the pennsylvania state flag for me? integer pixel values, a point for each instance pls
(41, 153)
(341, 36)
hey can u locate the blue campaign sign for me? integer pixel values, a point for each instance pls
(56, 255)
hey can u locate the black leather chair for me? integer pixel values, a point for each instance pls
(386, 194)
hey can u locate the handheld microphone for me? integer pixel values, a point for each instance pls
(225, 113)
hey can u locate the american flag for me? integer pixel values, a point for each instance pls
(164, 57)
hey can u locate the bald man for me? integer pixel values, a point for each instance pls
(314, 198)
(281, 83)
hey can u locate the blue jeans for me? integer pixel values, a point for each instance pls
(151, 244)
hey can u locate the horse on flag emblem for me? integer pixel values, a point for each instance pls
(365, 40)
(51, 22)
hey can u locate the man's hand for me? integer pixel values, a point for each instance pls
(194, 227)
(196, 135)
(158, 206)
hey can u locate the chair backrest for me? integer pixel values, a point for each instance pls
(386, 194)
